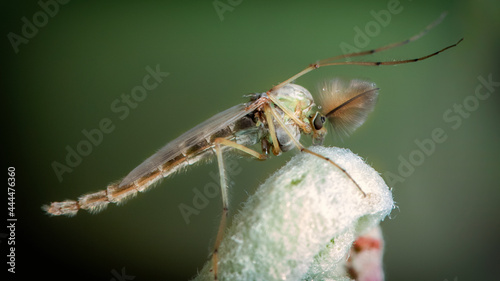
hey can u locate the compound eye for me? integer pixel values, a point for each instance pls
(318, 121)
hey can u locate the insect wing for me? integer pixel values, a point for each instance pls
(190, 138)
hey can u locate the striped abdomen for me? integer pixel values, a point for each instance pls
(243, 131)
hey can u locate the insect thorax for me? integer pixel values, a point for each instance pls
(299, 102)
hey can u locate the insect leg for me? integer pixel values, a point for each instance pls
(329, 61)
(304, 126)
(390, 46)
(272, 130)
(219, 142)
(303, 149)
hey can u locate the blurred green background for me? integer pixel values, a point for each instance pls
(67, 76)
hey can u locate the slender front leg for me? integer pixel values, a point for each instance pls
(272, 130)
(272, 111)
(223, 188)
(331, 61)
(300, 123)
